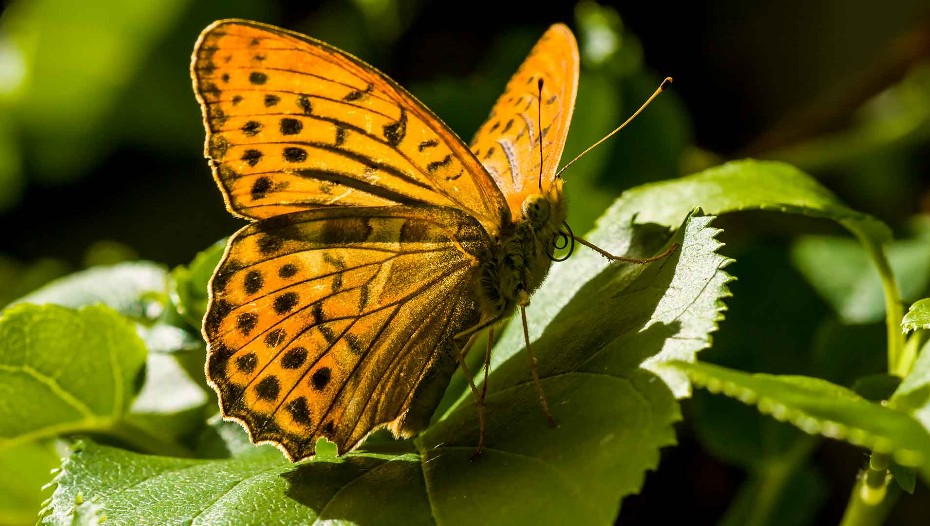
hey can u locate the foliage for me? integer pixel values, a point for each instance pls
(785, 323)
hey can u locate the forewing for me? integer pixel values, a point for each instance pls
(333, 322)
(295, 124)
(508, 142)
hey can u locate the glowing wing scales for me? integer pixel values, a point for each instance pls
(508, 142)
(332, 323)
(294, 124)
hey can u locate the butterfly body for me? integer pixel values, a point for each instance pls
(521, 258)
(378, 238)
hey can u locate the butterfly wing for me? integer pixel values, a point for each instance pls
(294, 124)
(508, 142)
(335, 321)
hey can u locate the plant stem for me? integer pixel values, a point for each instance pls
(872, 497)
(894, 311)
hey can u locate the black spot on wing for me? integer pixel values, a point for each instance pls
(293, 154)
(317, 312)
(285, 302)
(355, 347)
(246, 322)
(328, 333)
(247, 362)
(269, 244)
(321, 378)
(396, 131)
(427, 144)
(287, 270)
(290, 126)
(260, 187)
(299, 410)
(251, 157)
(435, 165)
(253, 282)
(268, 388)
(294, 358)
(251, 128)
(303, 102)
(275, 337)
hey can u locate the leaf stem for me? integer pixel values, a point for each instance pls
(872, 497)
(894, 311)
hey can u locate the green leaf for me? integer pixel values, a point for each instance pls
(818, 406)
(904, 477)
(136, 290)
(688, 301)
(876, 387)
(65, 371)
(27, 467)
(913, 395)
(745, 185)
(189, 284)
(762, 185)
(613, 416)
(842, 273)
(174, 396)
(917, 317)
(255, 489)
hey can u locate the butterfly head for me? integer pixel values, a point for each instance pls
(546, 207)
(536, 209)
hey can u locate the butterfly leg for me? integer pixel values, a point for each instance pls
(524, 301)
(626, 259)
(487, 361)
(479, 395)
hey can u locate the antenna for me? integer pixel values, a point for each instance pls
(662, 87)
(539, 85)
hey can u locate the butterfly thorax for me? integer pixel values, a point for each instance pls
(520, 259)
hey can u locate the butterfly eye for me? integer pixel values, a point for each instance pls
(536, 209)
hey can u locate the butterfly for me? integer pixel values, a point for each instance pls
(379, 242)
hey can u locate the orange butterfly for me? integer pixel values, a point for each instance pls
(379, 241)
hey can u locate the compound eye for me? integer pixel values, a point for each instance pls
(536, 208)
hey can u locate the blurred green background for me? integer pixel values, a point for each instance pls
(101, 159)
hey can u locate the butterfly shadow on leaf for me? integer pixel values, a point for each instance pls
(603, 333)
(590, 357)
